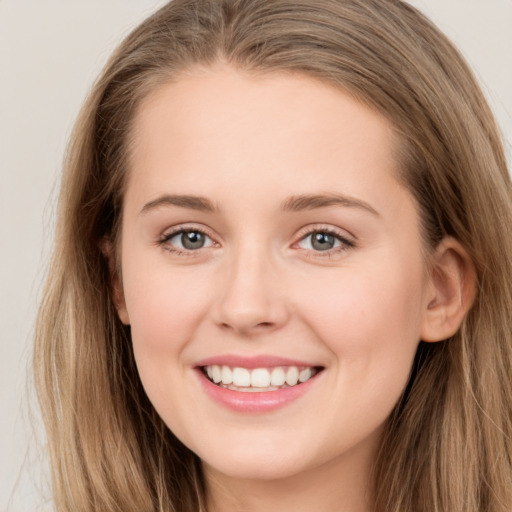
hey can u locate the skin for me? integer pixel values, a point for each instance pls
(258, 287)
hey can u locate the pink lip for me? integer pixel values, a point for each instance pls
(255, 402)
(251, 362)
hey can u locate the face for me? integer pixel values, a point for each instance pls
(272, 270)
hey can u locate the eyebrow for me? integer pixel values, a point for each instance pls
(292, 204)
(184, 201)
(313, 201)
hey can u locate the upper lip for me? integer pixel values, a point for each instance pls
(251, 362)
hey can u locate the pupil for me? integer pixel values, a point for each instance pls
(322, 241)
(192, 240)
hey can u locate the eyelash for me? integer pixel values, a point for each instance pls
(345, 243)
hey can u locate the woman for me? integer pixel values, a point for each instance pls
(279, 274)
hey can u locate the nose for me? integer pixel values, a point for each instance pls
(251, 301)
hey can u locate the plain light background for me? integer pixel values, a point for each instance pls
(50, 52)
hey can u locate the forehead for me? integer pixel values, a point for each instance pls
(204, 96)
(222, 126)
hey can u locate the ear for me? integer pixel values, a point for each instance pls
(116, 285)
(452, 291)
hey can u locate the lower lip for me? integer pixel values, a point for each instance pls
(256, 401)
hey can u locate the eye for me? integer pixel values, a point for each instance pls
(186, 240)
(323, 241)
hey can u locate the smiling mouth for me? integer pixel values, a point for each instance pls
(259, 379)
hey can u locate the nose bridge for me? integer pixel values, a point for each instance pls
(251, 298)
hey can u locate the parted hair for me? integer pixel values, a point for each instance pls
(448, 442)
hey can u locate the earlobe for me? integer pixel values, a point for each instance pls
(452, 291)
(116, 286)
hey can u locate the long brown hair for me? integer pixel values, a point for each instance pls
(448, 444)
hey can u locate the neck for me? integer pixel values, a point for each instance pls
(339, 485)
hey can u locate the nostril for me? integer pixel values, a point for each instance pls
(242, 329)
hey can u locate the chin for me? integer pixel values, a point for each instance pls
(259, 466)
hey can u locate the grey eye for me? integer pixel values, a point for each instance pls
(322, 241)
(189, 240)
(192, 240)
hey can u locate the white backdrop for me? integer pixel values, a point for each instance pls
(50, 52)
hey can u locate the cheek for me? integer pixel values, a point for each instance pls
(370, 320)
(360, 301)
(164, 306)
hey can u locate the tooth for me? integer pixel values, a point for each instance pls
(260, 378)
(241, 377)
(216, 374)
(292, 376)
(278, 377)
(305, 375)
(226, 375)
